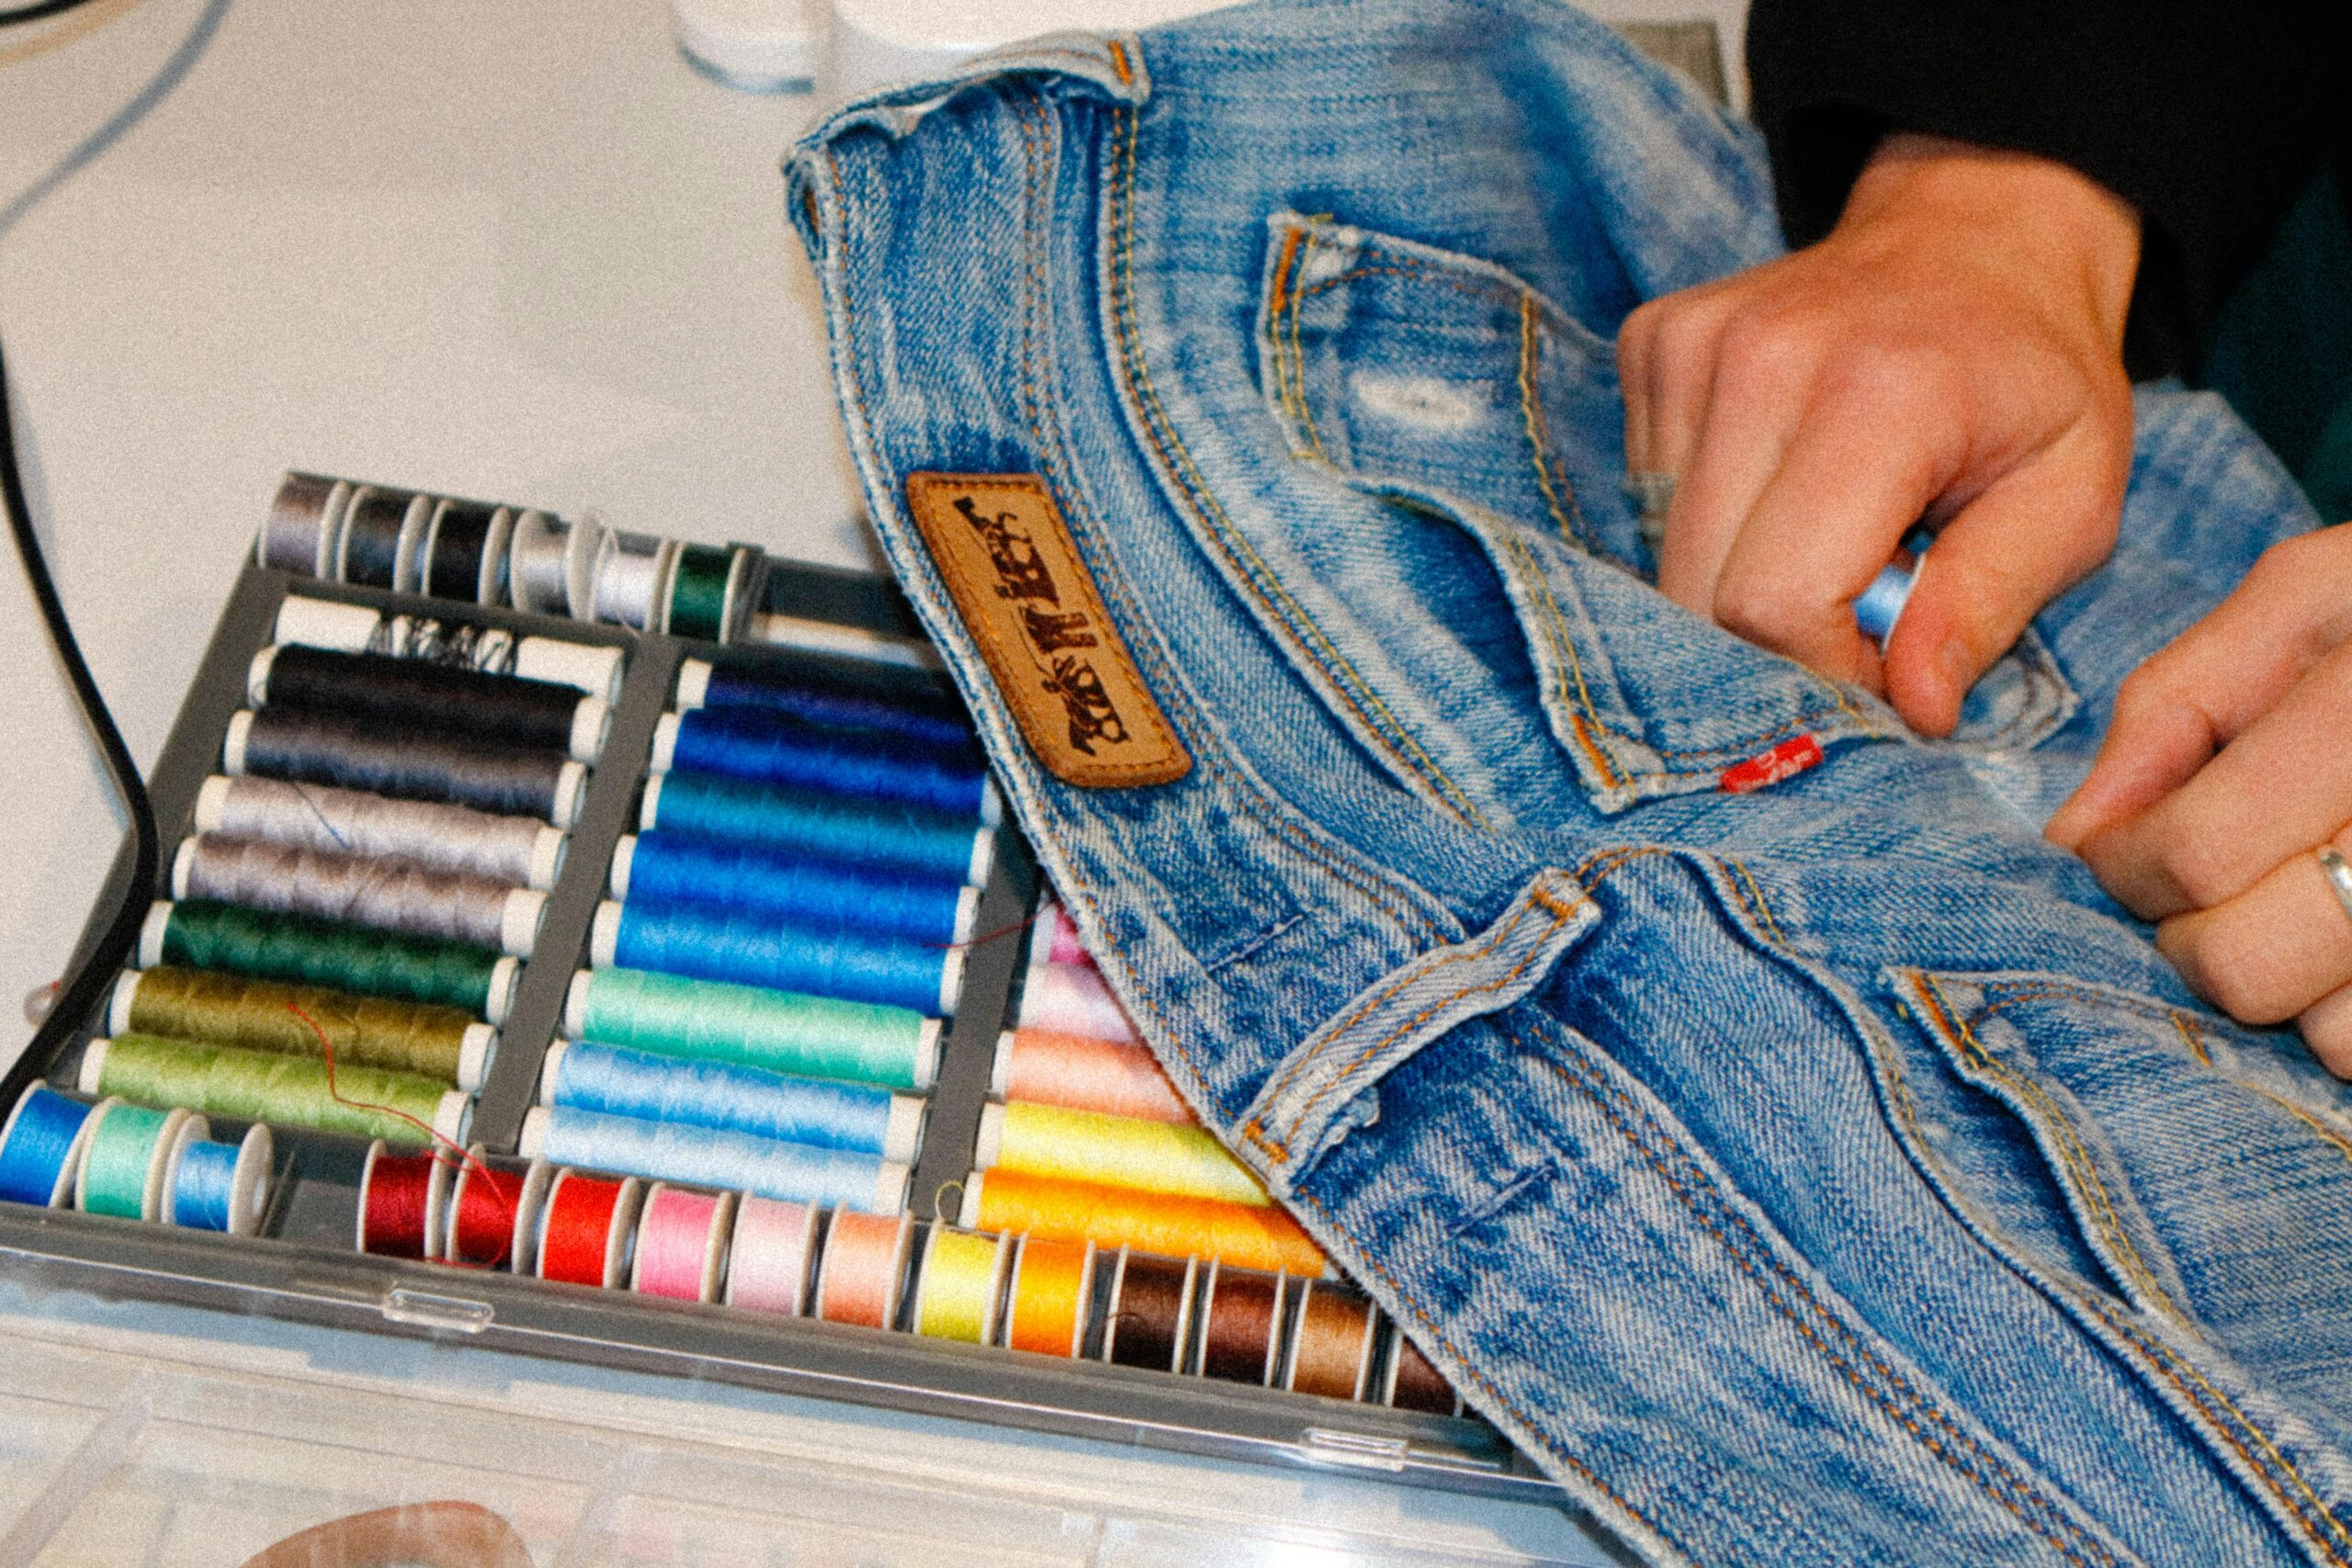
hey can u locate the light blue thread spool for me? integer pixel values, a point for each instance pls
(672, 868)
(751, 1026)
(764, 950)
(770, 747)
(929, 723)
(1881, 605)
(702, 1156)
(801, 822)
(819, 1112)
(40, 1146)
(223, 1187)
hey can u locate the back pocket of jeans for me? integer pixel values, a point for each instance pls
(2206, 1167)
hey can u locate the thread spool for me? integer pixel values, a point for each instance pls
(1265, 1239)
(815, 1112)
(772, 748)
(711, 591)
(1150, 1319)
(751, 1027)
(1411, 1382)
(444, 701)
(485, 1213)
(438, 1043)
(314, 749)
(465, 552)
(1241, 1320)
(359, 890)
(1332, 1347)
(300, 951)
(682, 1242)
(403, 1204)
(1054, 939)
(552, 565)
(1053, 1287)
(820, 826)
(517, 850)
(460, 645)
(304, 526)
(768, 1257)
(662, 867)
(1055, 1142)
(1070, 1070)
(589, 1225)
(1066, 998)
(704, 1156)
(960, 1292)
(863, 1269)
(305, 622)
(42, 1146)
(222, 1187)
(632, 572)
(763, 949)
(381, 528)
(261, 1086)
(127, 1164)
(916, 720)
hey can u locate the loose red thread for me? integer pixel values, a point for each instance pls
(1785, 760)
(464, 1158)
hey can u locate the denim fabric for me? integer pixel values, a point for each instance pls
(1730, 1091)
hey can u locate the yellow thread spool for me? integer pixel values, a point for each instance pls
(963, 1281)
(1113, 1151)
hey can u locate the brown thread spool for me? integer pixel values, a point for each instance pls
(1333, 1346)
(1240, 1310)
(1415, 1385)
(1151, 1311)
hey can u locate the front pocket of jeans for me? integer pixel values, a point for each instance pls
(2206, 1169)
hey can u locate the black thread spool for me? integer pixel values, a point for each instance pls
(305, 747)
(465, 552)
(1151, 1311)
(380, 527)
(428, 696)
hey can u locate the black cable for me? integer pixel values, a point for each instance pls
(35, 11)
(78, 996)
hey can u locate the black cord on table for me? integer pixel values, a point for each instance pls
(78, 995)
(33, 13)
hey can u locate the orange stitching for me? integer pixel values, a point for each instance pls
(1563, 648)
(1531, 413)
(1119, 63)
(1762, 906)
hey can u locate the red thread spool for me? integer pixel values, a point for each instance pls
(590, 1220)
(1241, 1308)
(1151, 1312)
(402, 1200)
(488, 1207)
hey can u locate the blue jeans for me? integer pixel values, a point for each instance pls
(1731, 1091)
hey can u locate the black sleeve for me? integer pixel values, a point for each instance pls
(2208, 116)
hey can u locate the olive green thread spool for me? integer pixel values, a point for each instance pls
(214, 1008)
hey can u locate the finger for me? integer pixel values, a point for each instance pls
(2186, 701)
(1679, 364)
(1857, 476)
(1753, 410)
(2034, 533)
(2327, 1030)
(2281, 784)
(1636, 347)
(2271, 952)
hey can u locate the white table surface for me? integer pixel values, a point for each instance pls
(514, 250)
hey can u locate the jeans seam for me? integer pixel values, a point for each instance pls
(1555, 632)
(1306, 253)
(1204, 506)
(1538, 436)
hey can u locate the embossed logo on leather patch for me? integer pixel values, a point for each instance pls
(1031, 605)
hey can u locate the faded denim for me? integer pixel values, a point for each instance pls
(1731, 1091)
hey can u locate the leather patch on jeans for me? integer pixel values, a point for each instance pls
(1031, 606)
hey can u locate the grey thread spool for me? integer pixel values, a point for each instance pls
(362, 890)
(380, 527)
(552, 569)
(304, 529)
(632, 580)
(519, 850)
(314, 749)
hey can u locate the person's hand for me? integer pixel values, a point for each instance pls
(2227, 765)
(1952, 351)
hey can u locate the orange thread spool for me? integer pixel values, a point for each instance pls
(1053, 1286)
(864, 1269)
(1050, 1069)
(1333, 1347)
(1247, 1238)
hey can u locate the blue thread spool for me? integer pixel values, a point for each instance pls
(818, 1112)
(672, 868)
(761, 949)
(41, 1145)
(770, 747)
(702, 685)
(1881, 605)
(222, 1187)
(702, 1156)
(798, 822)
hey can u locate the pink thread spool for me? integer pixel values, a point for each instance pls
(1068, 998)
(1054, 939)
(767, 1266)
(682, 1242)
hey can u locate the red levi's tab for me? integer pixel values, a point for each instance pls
(1786, 760)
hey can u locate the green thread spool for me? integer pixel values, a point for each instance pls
(262, 1086)
(439, 1043)
(710, 1021)
(302, 951)
(709, 588)
(126, 1168)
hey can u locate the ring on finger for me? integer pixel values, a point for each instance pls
(2339, 875)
